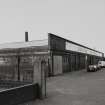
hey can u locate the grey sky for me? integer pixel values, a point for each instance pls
(82, 21)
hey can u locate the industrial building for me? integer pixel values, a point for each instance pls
(17, 60)
(69, 56)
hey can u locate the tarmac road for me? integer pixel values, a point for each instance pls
(75, 88)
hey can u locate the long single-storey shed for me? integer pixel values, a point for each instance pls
(17, 60)
(69, 56)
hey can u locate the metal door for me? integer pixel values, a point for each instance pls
(57, 65)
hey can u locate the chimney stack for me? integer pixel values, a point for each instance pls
(26, 36)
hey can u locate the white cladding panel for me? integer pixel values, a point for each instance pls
(73, 47)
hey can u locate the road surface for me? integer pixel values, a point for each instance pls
(75, 88)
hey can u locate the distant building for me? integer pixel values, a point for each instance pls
(61, 55)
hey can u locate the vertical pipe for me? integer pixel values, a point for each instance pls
(18, 68)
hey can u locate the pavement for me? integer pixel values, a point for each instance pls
(75, 88)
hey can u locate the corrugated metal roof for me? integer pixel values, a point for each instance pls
(24, 44)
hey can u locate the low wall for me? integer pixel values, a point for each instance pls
(11, 84)
(18, 95)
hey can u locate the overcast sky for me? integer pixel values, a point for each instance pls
(82, 21)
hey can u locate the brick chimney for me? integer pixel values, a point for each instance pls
(26, 36)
